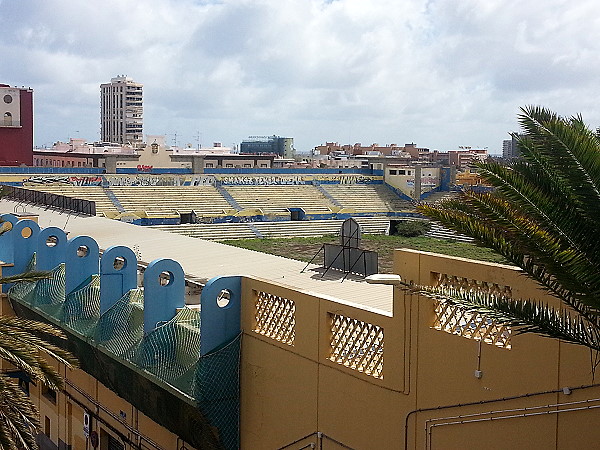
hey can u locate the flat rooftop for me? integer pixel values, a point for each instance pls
(202, 260)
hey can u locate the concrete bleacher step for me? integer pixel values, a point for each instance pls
(367, 197)
(273, 199)
(312, 228)
(104, 206)
(439, 232)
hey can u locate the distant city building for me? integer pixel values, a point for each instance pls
(462, 158)
(280, 146)
(121, 111)
(510, 149)
(154, 154)
(407, 153)
(16, 126)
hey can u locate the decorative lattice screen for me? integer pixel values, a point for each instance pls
(275, 317)
(357, 345)
(456, 320)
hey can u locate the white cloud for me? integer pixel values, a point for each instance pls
(439, 73)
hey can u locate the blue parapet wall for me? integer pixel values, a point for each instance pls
(97, 300)
(282, 171)
(117, 268)
(176, 170)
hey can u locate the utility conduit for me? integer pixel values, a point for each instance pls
(526, 412)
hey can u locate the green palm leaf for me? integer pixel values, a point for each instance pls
(543, 217)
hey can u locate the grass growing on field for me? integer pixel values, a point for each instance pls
(304, 248)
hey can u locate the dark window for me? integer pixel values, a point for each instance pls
(50, 394)
(47, 426)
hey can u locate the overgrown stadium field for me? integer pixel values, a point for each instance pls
(304, 249)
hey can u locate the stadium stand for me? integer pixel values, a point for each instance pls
(260, 209)
(227, 231)
(277, 199)
(215, 232)
(160, 200)
(104, 206)
(366, 197)
(437, 196)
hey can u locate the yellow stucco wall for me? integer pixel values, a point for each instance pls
(429, 384)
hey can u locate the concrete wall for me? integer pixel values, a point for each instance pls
(429, 385)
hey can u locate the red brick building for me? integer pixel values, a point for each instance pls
(16, 126)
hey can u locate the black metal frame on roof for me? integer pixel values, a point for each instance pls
(350, 252)
(50, 200)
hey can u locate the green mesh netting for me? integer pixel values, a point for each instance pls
(217, 390)
(23, 291)
(121, 328)
(81, 311)
(49, 293)
(170, 352)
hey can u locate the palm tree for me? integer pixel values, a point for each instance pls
(23, 343)
(544, 217)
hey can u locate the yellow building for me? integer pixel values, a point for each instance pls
(336, 365)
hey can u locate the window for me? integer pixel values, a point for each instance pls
(402, 172)
(228, 165)
(50, 394)
(47, 426)
(209, 165)
(24, 385)
(7, 119)
(247, 165)
(393, 172)
(8, 99)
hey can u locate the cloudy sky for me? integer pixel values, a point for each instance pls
(439, 73)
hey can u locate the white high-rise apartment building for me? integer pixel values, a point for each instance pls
(121, 111)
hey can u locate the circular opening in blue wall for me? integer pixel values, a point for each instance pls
(119, 263)
(82, 251)
(165, 278)
(5, 226)
(223, 298)
(51, 241)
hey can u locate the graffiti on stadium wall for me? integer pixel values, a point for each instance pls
(125, 180)
(93, 180)
(160, 180)
(200, 180)
(270, 180)
(204, 180)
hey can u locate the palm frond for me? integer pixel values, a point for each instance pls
(28, 276)
(525, 315)
(18, 417)
(542, 217)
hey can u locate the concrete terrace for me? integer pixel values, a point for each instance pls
(203, 259)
